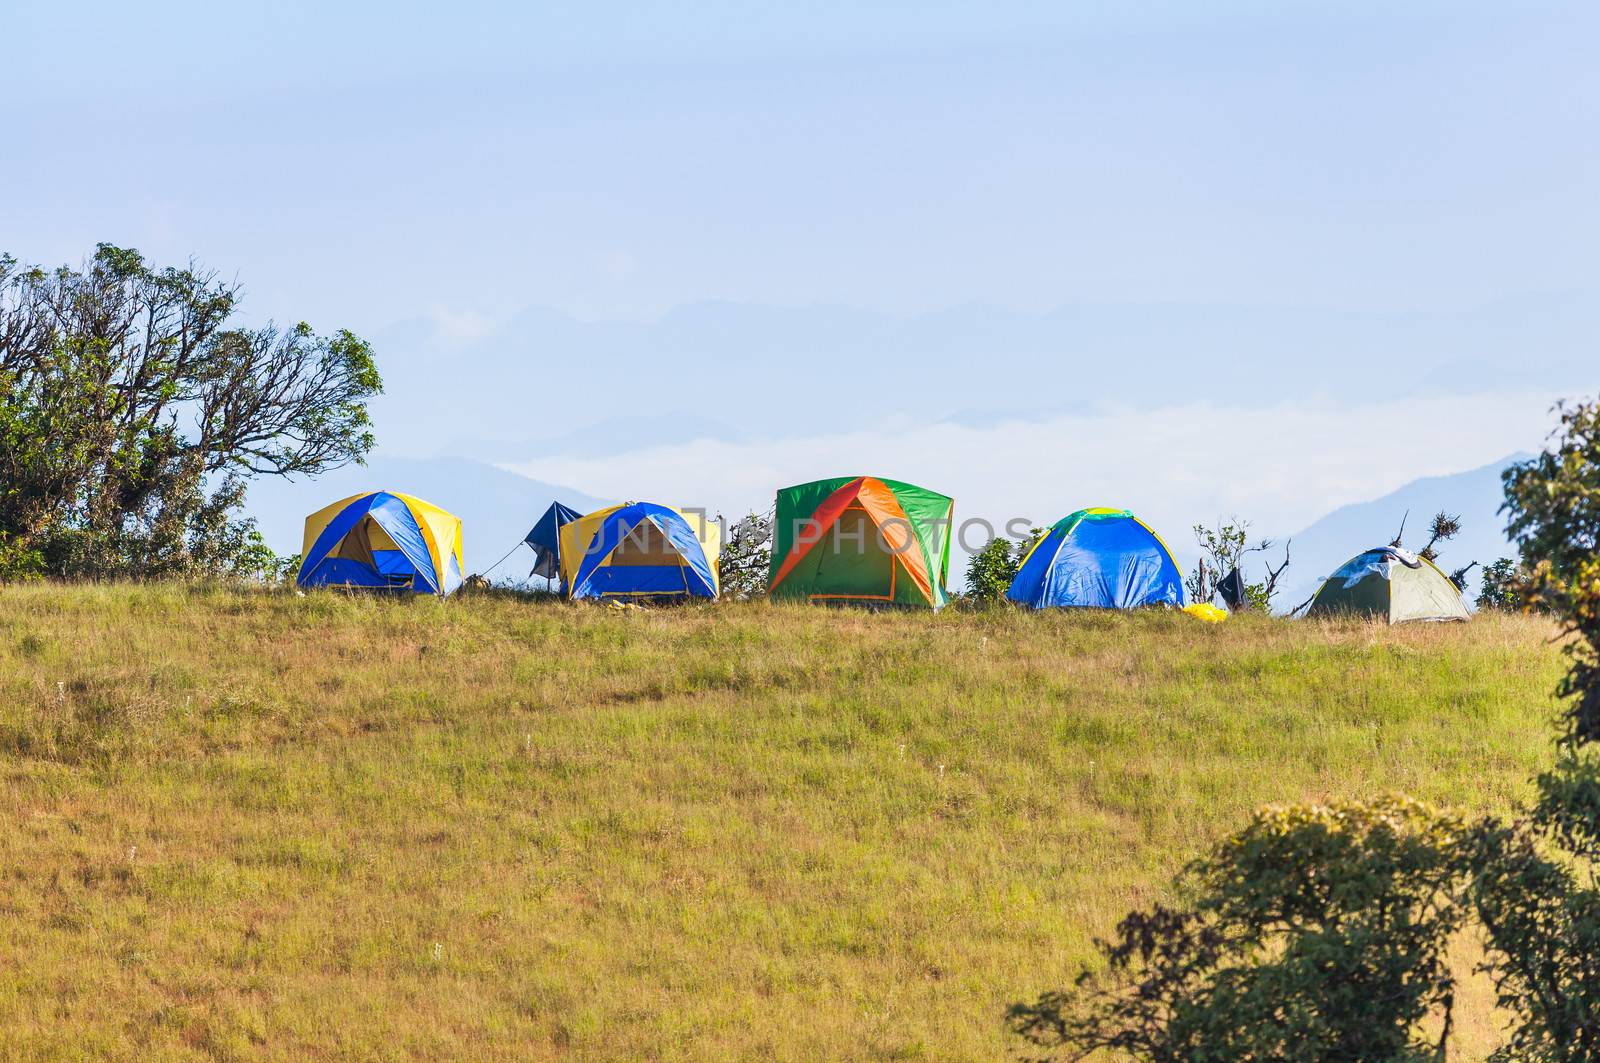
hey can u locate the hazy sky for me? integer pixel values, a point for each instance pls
(424, 173)
(357, 164)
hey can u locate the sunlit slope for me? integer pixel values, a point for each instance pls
(246, 825)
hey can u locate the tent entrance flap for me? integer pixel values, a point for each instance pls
(410, 537)
(858, 563)
(645, 545)
(368, 544)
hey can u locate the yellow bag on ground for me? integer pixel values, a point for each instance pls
(1207, 612)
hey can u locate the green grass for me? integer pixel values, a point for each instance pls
(251, 825)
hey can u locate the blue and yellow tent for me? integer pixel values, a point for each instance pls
(640, 550)
(1098, 559)
(383, 539)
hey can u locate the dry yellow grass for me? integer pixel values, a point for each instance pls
(250, 825)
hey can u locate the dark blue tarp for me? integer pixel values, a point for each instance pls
(545, 538)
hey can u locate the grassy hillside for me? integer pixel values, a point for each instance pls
(240, 825)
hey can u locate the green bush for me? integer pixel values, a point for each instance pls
(991, 570)
(1314, 934)
(1498, 586)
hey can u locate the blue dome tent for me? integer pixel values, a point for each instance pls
(1098, 559)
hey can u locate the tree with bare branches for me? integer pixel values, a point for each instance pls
(1442, 528)
(1224, 550)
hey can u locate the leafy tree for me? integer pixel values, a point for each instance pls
(286, 568)
(1314, 934)
(991, 570)
(132, 416)
(1224, 548)
(1535, 888)
(1553, 500)
(746, 560)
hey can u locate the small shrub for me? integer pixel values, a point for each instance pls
(991, 570)
(1498, 586)
(746, 559)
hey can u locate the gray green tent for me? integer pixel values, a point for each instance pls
(1390, 583)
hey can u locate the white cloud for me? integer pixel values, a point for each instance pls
(1281, 466)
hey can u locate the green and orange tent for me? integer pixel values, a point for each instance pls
(861, 539)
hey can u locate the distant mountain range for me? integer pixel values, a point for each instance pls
(1474, 495)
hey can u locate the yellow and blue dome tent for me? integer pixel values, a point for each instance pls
(640, 550)
(383, 539)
